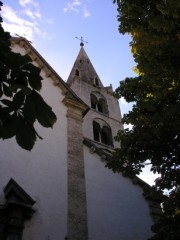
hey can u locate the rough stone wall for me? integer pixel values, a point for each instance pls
(77, 212)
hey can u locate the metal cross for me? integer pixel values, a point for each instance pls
(82, 41)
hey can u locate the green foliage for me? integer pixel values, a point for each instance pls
(20, 103)
(168, 226)
(155, 92)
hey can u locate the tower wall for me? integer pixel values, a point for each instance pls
(113, 118)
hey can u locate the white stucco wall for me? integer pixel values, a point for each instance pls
(116, 207)
(42, 172)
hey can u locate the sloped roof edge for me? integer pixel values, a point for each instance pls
(70, 93)
(104, 155)
(150, 194)
(83, 55)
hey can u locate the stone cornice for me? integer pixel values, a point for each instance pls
(75, 109)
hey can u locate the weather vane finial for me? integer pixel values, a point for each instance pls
(82, 41)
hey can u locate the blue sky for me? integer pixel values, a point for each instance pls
(52, 27)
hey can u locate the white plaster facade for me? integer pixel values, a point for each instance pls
(116, 208)
(42, 172)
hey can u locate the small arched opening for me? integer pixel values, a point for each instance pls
(93, 101)
(96, 81)
(98, 102)
(96, 131)
(77, 72)
(106, 136)
(102, 106)
(102, 132)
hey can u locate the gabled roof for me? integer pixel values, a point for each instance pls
(86, 70)
(17, 202)
(15, 192)
(50, 72)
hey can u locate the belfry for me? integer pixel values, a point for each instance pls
(103, 120)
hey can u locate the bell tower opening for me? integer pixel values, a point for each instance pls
(96, 81)
(102, 132)
(77, 72)
(99, 103)
(96, 131)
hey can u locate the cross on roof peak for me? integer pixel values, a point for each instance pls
(82, 41)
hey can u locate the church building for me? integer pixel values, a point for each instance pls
(61, 189)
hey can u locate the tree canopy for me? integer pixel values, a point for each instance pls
(21, 105)
(155, 117)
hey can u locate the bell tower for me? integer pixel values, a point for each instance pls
(103, 120)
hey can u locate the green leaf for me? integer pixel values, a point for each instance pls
(29, 110)
(34, 77)
(25, 134)
(15, 87)
(7, 102)
(8, 128)
(44, 113)
(1, 91)
(7, 91)
(18, 100)
(18, 77)
(16, 60)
